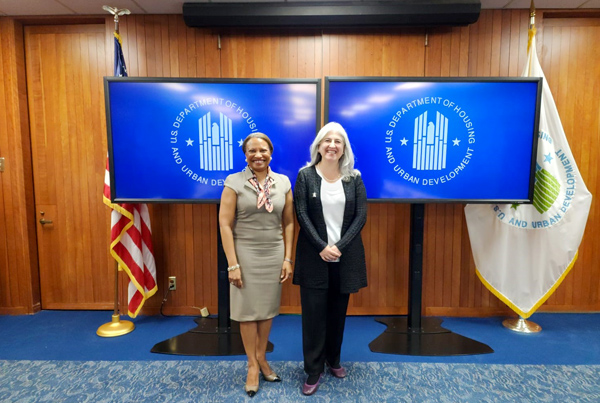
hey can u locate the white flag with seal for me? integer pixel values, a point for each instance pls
(523, 252)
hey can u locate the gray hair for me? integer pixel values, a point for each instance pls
(346, 161)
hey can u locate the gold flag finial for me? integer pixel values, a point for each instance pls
(117, 13)
(531, 32)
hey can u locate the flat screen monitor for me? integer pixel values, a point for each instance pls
(176, 140)
(421, 140)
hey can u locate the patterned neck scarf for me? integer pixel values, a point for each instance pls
(264, 192)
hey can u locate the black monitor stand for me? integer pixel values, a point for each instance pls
(414, 335)
(213, 336)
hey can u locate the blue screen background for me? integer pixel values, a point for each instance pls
(497, 145)
(154, 133)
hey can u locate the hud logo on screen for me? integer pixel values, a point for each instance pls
(216, 143)
(429, 141)
(204, 137)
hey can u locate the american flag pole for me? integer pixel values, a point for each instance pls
(116, 327)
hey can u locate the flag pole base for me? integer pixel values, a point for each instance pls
(115, 328)
(521, 325)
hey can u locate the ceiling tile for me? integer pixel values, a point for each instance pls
(95, 6)
(163, 6)
(33, 7)
(591, 4)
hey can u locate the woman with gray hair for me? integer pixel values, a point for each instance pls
(331, 206)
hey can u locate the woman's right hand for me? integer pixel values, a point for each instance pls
(235, 278)
(330, 253)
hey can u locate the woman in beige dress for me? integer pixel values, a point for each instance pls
(256, 219)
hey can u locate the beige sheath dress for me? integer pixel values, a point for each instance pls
(258, 239)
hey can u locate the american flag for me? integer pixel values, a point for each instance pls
(131, 234)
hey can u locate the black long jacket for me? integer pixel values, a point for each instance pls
(311, 271)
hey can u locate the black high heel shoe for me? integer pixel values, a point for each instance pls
(251, 390)
(272, 377)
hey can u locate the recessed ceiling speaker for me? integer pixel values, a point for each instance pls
(333, 14)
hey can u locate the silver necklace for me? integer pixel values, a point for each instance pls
(330, 180)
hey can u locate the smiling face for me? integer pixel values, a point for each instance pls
(258, 154)
(331, 147)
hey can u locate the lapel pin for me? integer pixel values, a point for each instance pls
(315, 194)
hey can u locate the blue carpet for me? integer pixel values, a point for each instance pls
(56, 356)
(566, 339)
(222, 381)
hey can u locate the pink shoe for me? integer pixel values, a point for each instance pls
(311, 389)
(337, 372)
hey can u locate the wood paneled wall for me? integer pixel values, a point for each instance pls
(571, 63)
(185, 235)
(19, 277)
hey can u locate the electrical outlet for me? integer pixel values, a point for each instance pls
(172, 283)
